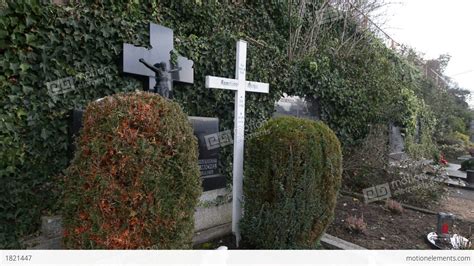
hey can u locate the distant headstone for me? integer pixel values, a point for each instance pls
(397, 144)
(298, 107)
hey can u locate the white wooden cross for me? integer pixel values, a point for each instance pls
(240, 86)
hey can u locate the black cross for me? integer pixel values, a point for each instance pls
(155, 64)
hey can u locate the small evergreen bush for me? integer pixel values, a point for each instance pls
(134, 181)
(292, 178)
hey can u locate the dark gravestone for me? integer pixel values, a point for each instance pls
(208, 155)
(154, 66)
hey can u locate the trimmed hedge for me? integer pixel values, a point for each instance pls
(134, 181)
(292, 177)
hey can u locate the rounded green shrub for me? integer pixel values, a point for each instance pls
(292, 178)
(134, 181)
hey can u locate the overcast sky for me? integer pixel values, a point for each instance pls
(437, 27)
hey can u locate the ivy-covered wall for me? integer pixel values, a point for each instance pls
(40, 43)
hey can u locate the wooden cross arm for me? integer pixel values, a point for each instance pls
(260, 87)
(233, 84)
(221, 83)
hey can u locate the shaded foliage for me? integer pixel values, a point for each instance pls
(467, 165)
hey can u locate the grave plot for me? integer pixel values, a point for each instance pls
(385, 229)
(459, 202)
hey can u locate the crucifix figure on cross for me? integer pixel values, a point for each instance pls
(162, 81)
(154, 65)
(240, 86)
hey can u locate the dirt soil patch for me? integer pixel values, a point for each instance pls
(460, 202)
(386, 230)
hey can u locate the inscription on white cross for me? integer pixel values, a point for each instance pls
(240, 86)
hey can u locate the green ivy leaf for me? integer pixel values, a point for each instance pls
(27, 90)
(24, 67)
(44, 134)
(3, 34)
(14, 66)
(30, 21)
(20, 113)
(30, 39)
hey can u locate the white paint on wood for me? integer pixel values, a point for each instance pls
(240, 86)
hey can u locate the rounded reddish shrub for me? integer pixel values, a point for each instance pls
(134, 181)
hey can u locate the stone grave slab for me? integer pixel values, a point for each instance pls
(454, 172)
(464, 157)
